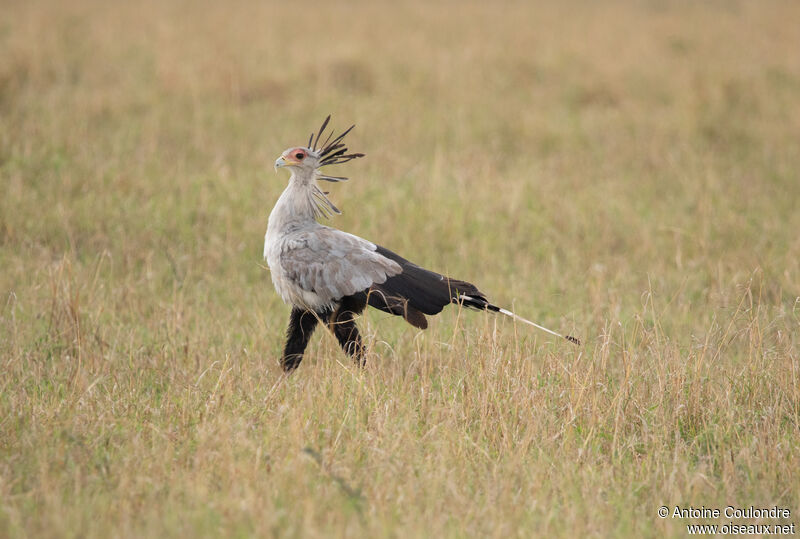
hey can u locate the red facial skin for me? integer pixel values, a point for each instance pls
(296, 154)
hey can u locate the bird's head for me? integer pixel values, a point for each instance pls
(307, 161)
(300, 158)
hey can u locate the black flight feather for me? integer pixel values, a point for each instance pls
(425, 291)
(415, 292)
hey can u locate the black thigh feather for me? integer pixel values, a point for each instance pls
(343, 325)
(301, 326)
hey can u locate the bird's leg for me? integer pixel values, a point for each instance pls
(343, 325)
(301, 326)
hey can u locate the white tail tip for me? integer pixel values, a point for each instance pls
(570, 338)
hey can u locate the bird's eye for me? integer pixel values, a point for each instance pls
(299, 156)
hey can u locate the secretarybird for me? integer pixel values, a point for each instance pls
(330, 276)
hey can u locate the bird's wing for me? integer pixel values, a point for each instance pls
(334, 264)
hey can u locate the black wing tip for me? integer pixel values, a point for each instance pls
(573, 340)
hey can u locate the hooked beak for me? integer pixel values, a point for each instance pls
(283, 161)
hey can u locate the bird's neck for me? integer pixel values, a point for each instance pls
(301, 203)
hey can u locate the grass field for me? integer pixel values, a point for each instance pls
(626, 172)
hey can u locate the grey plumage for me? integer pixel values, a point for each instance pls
(333, 264)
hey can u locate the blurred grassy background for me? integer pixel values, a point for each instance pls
(626, 172)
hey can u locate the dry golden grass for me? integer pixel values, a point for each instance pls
(626, 172)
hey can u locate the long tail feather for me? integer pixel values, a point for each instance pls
(418, 291)
(482, 304)
(570, 338)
